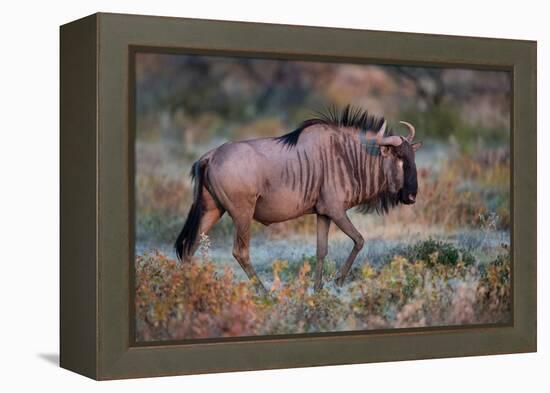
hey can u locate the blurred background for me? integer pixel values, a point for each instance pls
(188, 104)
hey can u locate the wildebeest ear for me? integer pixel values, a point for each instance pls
(416, 146)
(385, 151)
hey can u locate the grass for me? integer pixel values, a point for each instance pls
(184, 301)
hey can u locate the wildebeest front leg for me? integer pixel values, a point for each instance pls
(323, 225)
(343, 222)
(241, 252)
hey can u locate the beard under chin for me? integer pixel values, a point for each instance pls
(381, 204)
(402, 196)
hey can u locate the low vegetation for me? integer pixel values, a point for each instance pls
(430, 283)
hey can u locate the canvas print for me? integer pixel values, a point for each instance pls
(282, 197)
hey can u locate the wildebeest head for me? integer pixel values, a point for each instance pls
(398, 163)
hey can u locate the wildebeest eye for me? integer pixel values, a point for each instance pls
(398, 153)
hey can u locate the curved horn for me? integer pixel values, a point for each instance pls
(387, 140)
(411, 130)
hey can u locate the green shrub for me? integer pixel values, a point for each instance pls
(434, 252)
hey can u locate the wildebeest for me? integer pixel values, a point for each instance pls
(329, 164)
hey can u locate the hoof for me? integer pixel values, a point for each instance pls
(339, 281)
(261, 291)
(268, 296)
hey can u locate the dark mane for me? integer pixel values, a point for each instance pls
(349, 116)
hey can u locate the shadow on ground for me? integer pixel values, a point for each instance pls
(52, 358)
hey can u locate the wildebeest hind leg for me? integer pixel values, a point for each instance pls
(209, 218)
(343, 222)
(241, 250)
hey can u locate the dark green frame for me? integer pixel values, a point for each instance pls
(96, 200)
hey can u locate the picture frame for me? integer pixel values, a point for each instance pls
(96, 172)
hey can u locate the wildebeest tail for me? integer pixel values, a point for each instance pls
(190, 230)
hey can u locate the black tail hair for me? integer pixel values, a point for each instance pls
(190, 230)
